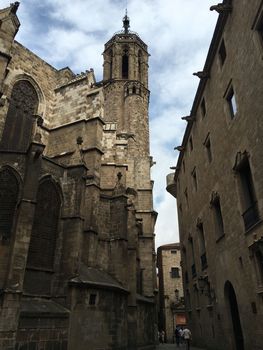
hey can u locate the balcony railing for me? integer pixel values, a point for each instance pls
(251, 216)
(203, 261)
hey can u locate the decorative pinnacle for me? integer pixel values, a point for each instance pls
(126, 23)
(14, 7)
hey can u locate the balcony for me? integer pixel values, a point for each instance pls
(251, 216)
(171, 184)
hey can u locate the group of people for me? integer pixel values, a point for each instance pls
(182, 335)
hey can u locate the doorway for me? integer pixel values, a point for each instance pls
(234, 312)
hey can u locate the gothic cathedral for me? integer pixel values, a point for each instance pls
(77, 257)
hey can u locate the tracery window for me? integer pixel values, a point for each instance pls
(19, 121)
(9, 190)
(44, 232)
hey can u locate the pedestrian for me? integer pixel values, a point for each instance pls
(162, 336)
(181, 335)
(187, 335)
(177, 336)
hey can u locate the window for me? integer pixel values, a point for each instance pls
(258, 25)
(23, 105)
(202, 248)
(207, 145)
(188, 300)
(203, 107)
(231, 99)
(175, 272)
(186, 277)
(193, 267)
(191, 143)
(196, 296)
(218, 218)
(256, 252)
(139, 65)
(41, 253)
(186, 197)
(9, 189)
(174, 251)
(111, 62)
(125, 65)
(260, 28)
(194, 178)
(92, 299)
(222, 52)
(248, 195)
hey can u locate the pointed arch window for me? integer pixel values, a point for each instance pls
(9, 191)
(44, 232)
(41, 253)
(125, 65)
(111, 62)
(19, 120)
(140, 65)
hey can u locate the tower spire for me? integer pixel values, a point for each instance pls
(126, 22)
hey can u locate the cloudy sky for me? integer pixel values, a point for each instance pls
(178, 34)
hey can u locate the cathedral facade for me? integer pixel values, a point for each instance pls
(77, 261)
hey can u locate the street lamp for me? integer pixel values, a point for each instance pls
(205, 288)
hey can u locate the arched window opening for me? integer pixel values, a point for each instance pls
(19, 122)
(111, 62)
(134, 90)
(44, 232)
(140, 65)
(9, 190)
(125, 65)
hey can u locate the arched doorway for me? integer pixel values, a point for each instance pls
(234, 314)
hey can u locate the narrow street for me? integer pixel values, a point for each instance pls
(174, 347)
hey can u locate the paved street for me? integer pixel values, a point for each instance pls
(174, 347)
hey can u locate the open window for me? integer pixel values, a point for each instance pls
(247, 190)
(125, 64)
(217, 213)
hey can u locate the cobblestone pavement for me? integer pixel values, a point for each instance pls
(174, 347)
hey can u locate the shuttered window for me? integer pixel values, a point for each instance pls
(19, 121)
(9, 189)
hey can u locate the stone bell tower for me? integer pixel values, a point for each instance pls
(126, 147)
(126, 90)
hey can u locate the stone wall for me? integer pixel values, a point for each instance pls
(229, 256)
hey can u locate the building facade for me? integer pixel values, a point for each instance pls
(171, 294)
(77, 259)
(219, 188)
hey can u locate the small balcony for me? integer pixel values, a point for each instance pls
(251, 216)
(171, 184)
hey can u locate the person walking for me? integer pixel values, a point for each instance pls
(177, 336)
(187, 335)
(162, 336)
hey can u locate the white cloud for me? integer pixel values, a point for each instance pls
(177, 33)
